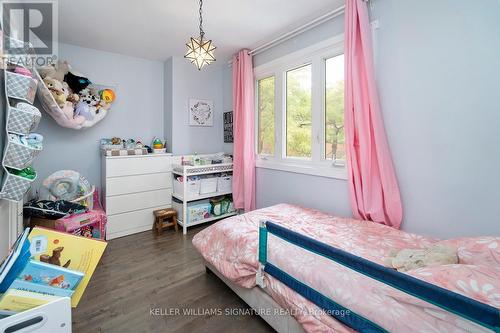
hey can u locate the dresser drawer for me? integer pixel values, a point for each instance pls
(140, 165)
(130, 223)
(139, 183)
(136, 201)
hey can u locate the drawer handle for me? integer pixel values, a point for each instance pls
(24, 324)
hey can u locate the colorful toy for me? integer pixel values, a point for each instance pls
(157, 144)
(107, 95)
(116, 141)
(28, 173)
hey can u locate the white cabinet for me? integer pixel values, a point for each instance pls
(11, 224)
(133, 187)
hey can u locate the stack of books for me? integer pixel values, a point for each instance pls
(45, 264)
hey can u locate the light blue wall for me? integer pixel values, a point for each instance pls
(137, 112)
(437, 69)
(438, 65)
(168, 100)
(188, 82)
(227, 98)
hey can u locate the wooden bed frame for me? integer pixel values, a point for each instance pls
(259, 300)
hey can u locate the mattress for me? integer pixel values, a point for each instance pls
(231, 247)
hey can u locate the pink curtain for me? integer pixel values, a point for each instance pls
(373, 185)
(244, 143)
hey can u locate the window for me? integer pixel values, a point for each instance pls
(334, 109)
(300, 111)
(265, 104)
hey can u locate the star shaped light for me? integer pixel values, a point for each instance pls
(200, 52)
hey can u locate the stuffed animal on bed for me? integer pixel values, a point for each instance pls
(408, 259)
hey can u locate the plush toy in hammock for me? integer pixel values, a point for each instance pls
(75, 102)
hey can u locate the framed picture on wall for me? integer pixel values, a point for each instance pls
(201, 112)
(228, 127)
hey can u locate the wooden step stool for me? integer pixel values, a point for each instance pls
(164, 218)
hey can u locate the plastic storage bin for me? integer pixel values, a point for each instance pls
(225, 184)
(20, 86)
(195, 211)
(208, 185)
(19, 156)
(192, 188)
(23, 119)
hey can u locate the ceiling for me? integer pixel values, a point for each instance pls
(158, 29)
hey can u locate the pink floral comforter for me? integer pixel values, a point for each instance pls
(231, 246)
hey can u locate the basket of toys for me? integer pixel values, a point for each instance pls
(71, 98)
(68, 185)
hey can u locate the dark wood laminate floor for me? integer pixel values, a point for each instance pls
(142, 272)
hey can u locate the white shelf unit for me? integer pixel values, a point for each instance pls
(187, 171)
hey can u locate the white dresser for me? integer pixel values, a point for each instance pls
(133, 187)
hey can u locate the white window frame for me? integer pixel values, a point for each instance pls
(317, 165)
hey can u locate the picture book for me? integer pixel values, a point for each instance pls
(50, 275)
(40, 288)
(65, 250)
(20, 300)
(15, 261)
(5, 314)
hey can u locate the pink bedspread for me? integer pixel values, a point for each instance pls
(231, 246)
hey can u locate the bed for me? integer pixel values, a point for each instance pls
(231, 249)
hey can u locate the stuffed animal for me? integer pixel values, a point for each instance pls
(116, 141)
(107, 95)
(90, 96)
(87, 106)
(76, 83)
(57, 90)
(407, 259)
(83, 109)
(72, 97)
(55, 71)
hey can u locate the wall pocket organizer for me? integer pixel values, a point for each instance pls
(15, 187)
(23, 118)
(20, 86)
(19, 156)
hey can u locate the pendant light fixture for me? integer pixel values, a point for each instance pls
(200, 51)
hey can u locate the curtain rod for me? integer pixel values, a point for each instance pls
(307, 26)
(288, 35)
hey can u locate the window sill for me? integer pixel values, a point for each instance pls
(306, 169)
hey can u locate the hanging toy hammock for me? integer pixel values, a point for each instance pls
(83, 108)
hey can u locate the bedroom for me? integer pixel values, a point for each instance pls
(364, 133)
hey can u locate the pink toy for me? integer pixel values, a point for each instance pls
(23, 71)
(91, 224)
